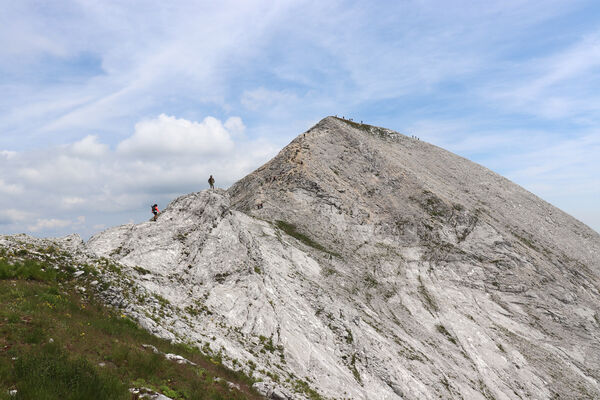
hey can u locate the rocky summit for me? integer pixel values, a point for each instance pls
(364, 264)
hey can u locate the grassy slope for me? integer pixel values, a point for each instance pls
(57, 344)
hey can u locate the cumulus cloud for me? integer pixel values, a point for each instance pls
(88, 147)
(163, 157)
(235, 126)
(49, 224)
(167, 135)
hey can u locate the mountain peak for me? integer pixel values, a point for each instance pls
(367, 175)
(362, 263)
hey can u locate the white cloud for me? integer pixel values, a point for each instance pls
(10, 188)
(235, 126)
(48, 224)
(72, 201)
(262, 98)
(88, 147)
(7, 154)
(163, 158)
(554, 86)
(281, 67)
(167, 135)
(12, 215)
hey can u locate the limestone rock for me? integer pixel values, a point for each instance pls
(360, 263)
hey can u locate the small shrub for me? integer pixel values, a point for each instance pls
(442, 329)
(429, 301)
(141, 271)
(293, 232)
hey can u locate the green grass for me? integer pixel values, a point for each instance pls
(53, 343)
(293, 232)
(303, 387)
(29, 270)
(49, 373)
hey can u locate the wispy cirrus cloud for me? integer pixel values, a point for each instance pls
(554, 86)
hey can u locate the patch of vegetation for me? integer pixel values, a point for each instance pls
(293, 232)
(302, 386)
(429, 301)
(411, 354)
(442, 329)
(370, 281)
(221, 277)
(181, 237)
(486, 391)
(267, 343)
(30, 269)
(433, 205)
(161, 300)
(444, 381)
(141, 271)
(109, 265)
(354, 370)
(257, 270)
(52, 250)
(526, 241)
(49, 373)
(349, 337)
(458, 207)
(54, 344)
(368, 128)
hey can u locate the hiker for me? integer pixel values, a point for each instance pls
(155, 211)
(211, 182)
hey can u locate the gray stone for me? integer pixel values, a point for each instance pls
(362, 264)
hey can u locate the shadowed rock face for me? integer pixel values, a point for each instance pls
(369, 265)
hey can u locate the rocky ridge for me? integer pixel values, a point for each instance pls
(360, 263)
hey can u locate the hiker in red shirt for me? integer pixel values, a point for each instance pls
(155, 211)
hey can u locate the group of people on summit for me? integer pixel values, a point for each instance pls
(156, 211)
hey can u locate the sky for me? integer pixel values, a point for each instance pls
(107, 107)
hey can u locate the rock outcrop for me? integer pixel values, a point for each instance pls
(360, 263)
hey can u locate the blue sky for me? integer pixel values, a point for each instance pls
(107, 107)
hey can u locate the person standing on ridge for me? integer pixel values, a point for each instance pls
(155, 211)
(211, 182)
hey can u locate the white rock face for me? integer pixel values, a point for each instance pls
(367, 265)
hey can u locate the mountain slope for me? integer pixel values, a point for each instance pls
(360, 263)
(57, 341)
(494, 263)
